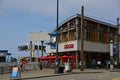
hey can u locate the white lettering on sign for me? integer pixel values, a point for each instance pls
(69, 46)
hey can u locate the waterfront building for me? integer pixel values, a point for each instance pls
(3, 54)
(97, 36)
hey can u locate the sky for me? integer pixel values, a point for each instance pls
(19, 17)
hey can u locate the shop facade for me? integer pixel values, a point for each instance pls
(97, 36)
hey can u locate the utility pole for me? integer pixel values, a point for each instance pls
(57, 22)
(118, 32)
(82, 39)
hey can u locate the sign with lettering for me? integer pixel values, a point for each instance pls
(15, 72)
(115, 48)
(67, 46)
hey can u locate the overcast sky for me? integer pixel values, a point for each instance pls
(19, 17)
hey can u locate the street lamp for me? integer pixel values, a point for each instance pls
(118, 55)
(111, 55)
(57, 22)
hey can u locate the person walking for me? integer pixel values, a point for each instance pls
(94, 64)
(41, 64)
(21, 65)
(80, 64)
(99, 63)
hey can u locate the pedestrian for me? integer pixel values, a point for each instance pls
(99, 63)
(72, 66)
(41, 64)
(21, 65)
(115, 63)
(94, 64)
(80, 64)
(108, 63)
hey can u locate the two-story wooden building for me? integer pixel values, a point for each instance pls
(97, 36)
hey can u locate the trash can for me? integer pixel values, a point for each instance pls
(61, 69)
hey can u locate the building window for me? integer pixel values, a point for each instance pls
(67, 37)
(87, 36)
(100, 37)
(75, 35)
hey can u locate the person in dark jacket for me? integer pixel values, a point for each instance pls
(41, 64)
(94, 64)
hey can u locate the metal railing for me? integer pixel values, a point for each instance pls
(7, 67)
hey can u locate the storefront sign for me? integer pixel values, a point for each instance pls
(67, 46)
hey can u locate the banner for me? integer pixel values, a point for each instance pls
(115, 48)
(52, 40)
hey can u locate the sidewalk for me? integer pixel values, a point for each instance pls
(46, 72)
(51, 72)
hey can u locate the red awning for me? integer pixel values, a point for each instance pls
(72, 56)
(65, 56)
(53, 57)
(42, 57)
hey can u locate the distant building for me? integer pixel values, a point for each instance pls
(3, 54)
(97, 36)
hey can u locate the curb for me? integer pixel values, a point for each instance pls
(115, 70)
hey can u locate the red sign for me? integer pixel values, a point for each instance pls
(69, 46)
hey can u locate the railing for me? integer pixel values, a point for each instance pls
(30, 66)
(7, 67)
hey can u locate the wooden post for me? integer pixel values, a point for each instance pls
(82, 39)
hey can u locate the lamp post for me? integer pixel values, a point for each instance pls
(118, 55)
(57, 22)
(42, 48)
(31, 51)
(111, 55)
